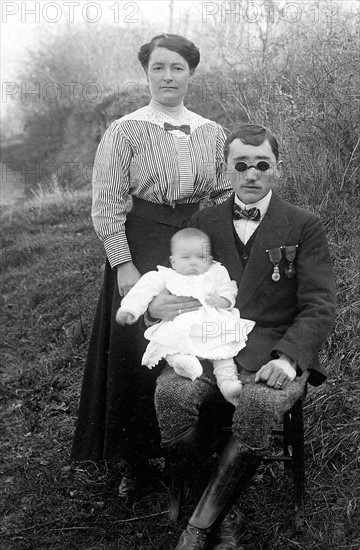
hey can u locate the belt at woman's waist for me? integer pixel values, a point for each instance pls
(163, 213)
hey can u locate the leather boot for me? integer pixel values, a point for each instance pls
(185, 453)
(237, 465)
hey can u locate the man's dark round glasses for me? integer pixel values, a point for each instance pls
(263, 166)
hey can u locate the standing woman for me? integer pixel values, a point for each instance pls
(168, 159)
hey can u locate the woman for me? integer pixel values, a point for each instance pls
(168, 159)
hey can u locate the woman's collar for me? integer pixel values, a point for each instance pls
(173, 112)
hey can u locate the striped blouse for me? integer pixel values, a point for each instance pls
(137, 156)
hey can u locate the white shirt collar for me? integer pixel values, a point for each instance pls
(262, 204)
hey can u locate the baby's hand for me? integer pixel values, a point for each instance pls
(125, 318)
(214, 300)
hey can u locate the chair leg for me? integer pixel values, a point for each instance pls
(287, 441)
(298, 462)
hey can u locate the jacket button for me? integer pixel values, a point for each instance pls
(245, 256)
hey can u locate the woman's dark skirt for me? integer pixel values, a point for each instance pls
(117, 417)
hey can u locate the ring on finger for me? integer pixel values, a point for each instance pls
(278, 384)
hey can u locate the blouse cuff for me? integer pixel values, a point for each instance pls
(221, 197)
(117, 249)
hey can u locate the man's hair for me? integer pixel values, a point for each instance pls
(189, 233)
(173, 42)
(252, 134)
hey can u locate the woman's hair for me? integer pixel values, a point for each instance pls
(252, 134)
(173, 42)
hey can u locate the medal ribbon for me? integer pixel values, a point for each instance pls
(290, 253)
(275, 257)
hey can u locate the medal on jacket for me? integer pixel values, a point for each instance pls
(275, 257)
(290, 253)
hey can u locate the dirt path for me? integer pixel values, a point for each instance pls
(12, 188)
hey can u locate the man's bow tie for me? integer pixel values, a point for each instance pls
(251, 214)
(183, 128)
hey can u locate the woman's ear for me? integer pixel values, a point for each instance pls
(171, 260)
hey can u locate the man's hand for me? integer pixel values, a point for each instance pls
(277, 373)
(166, 307)
(127, 276)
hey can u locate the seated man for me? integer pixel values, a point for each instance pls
(278, 255)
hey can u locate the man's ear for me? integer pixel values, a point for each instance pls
(279, 169)
(171, 260)
(224, 167)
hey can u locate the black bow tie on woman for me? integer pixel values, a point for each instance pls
(183, 128)
(252, 214)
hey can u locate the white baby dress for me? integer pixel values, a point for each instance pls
(208, 333)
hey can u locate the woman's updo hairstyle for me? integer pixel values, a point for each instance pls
(173, 42)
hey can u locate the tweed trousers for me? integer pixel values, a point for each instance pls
(178, 402)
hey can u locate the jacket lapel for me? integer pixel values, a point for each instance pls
(271, 233)
(222, 235)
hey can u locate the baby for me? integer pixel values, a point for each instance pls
(214, 332)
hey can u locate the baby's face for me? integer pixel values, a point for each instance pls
(191, 256)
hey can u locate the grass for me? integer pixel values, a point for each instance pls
(51, 276)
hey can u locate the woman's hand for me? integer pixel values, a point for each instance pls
(127, 276)
(166, 307)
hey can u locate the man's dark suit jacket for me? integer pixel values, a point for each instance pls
(293, 316)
